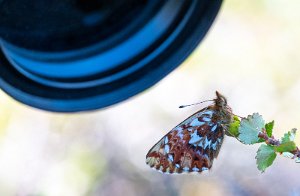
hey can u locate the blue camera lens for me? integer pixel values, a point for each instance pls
(79, 55)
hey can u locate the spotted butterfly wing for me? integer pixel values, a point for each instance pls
(193, 144)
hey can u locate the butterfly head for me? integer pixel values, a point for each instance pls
(221, 103)
(220, 100)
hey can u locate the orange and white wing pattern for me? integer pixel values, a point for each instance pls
(193, 144)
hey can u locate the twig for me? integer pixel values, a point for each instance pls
(272, 141)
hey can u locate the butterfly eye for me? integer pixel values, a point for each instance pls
(221, 100)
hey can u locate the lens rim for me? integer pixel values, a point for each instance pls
(72, 98)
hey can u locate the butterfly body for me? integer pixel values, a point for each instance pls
(192, 145)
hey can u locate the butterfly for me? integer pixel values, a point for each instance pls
(192, 145)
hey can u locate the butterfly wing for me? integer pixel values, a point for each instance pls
(189, 147)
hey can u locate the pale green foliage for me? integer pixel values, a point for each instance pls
(289, 136)
(250, 127)
(269, 128)
(287, 142)
(248, 131)
(234, 127)
(285, 147)
(265, 157)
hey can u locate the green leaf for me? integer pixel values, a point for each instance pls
(265, 157)
(289, 136)
(250, 127)
(260, 140)
(234, 127)
(286, 138)
(285, 147)
(287, 142)
(269, 128)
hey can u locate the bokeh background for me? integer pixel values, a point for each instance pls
(251, 55)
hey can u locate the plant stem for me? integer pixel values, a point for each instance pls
(272, 141)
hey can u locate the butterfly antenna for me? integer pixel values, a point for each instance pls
(237, 116)
(183, 106)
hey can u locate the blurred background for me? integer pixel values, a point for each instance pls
(251, 55)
